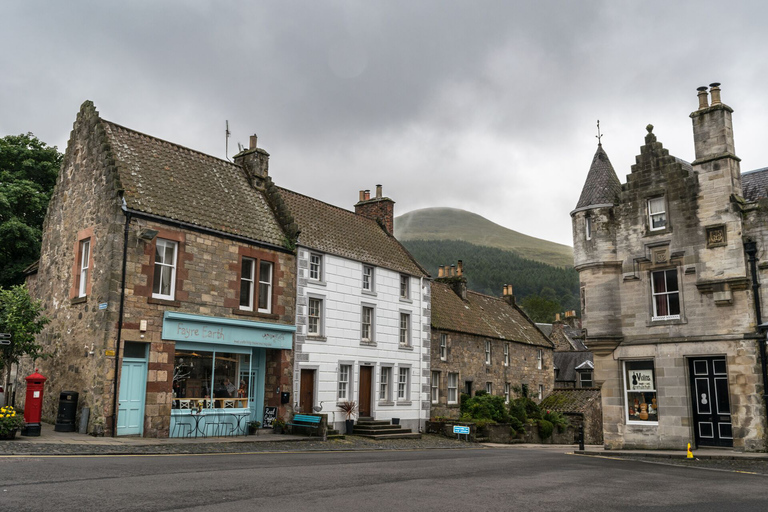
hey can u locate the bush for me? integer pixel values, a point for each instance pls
(545, 429)
(557, 419)
(515, 425)
(524, 408)
(485, 407)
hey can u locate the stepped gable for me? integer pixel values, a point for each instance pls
(483, 315)
(333, 230)
(602, 186)
(170, 181)
(754, 184)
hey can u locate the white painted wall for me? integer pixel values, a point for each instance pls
(341, 290)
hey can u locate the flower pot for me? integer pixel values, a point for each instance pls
(8, 436)
(350, 424)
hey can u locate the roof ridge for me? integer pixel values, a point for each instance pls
(326, 204)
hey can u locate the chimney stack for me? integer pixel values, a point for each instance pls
(712, 127)
(381, 209)
(457, 281)
(255, 161)
(508, 294)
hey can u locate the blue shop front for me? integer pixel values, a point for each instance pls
(219, 372)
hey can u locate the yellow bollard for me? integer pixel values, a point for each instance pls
(690, 453)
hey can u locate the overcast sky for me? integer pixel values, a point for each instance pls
(486, 106)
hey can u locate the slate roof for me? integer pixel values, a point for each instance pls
(754, 184)
(567, 362)
(602, 185)
(571, 400)
(171, 181)
(572, 335)
(333, 230)
(483, 315)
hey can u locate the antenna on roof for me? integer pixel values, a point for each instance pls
(226, 141)
(599, 136)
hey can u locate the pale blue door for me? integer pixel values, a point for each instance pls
(130, 409)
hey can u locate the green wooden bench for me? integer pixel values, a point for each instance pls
(306, 421)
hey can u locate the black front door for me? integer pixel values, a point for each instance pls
(711, 401)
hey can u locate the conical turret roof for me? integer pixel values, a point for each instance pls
(602, 186)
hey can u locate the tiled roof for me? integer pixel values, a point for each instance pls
(754, 184)
(602, 185)
(330, 229)
(483, 315)
(571, 400)
(567, 362)
(171, 181)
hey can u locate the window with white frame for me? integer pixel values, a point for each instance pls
(435, 387)
(657, 215)
(443, 347)
(367, 324)
(586, 379)
(405, 330)
(164, 285)
(405, 287)
(247, 279)
(265, 286)
(506, 354)
(403, 382)
(384, 381)
(315, 317)
(666, 295)
(507, 388)
(588, 228)
(541, 391)
(85, 257)
(368, 278)
(345, 371)
(539, 357)
(487, 352)
(453, 388)
(315, 266)
(640, 392)
(489, 388)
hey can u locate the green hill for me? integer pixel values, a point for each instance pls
(455, 224)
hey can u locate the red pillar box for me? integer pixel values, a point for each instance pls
(33, 406)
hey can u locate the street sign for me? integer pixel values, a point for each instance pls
(5, 342)
(458, 429)
(5, 335)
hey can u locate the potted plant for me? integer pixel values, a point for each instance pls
(10, 422)
(349, 409)
(278, 425)
(253, 427)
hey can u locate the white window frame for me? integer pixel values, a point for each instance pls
(315, 267)
(265, 286)
(345, 378)
(443, 347)
(666, 294)
(403, 383)
(539, 358)
(369, 279)
(250, 282)
(591, 379)
(489, 388)
(453, 388)
(487, 352)
(507, 389)
(541, 391)
(506, 354)
(385, 381)
(370, 338)
(655, 213)
(318, 316)
(435, 387)
(85, 257)
(405, 329)
(160, 267)
(405, 287)
(588, 227)
(627, 391)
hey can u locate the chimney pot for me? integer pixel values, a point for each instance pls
(362, 195)
(453, 270)
(460, 269)
(440, 271)
(557, 317)
(378, 191)
(715, 90)
(703, 99)
(367, 195)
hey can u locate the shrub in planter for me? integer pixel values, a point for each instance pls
(545, 429)
(10, 421)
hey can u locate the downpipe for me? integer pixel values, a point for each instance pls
(750, 248)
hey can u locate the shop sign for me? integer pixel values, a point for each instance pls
(225, 331)
(270, 413)
(641, 380)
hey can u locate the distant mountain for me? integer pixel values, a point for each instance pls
(455, 224)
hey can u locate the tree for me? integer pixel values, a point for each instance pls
(20, 317)
(28, 170)
(540, 309)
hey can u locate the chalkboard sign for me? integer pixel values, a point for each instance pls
(270, 413)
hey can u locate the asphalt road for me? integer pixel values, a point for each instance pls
(423, 480)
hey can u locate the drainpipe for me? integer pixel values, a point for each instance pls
(750, 247)
(120, 321)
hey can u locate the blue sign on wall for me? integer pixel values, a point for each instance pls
(226, 331)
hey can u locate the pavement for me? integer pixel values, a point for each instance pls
(51, 442)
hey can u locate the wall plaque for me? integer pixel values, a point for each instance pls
(716, 236)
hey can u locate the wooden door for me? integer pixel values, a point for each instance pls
(133, 385)
(307, 393)
(364, 390)
(711, 401)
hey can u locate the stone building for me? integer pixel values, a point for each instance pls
(362, 313)
(169, 278)
(667, 295)
(483, 343)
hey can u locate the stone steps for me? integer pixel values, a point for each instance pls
(379, 429)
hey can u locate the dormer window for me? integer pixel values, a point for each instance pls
(657, 214)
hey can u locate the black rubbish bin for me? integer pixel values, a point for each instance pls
(65, 419)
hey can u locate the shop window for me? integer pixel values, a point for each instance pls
(666, 295)
(453, 388)
(640, 392)
(208, 380)
(164, 284)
